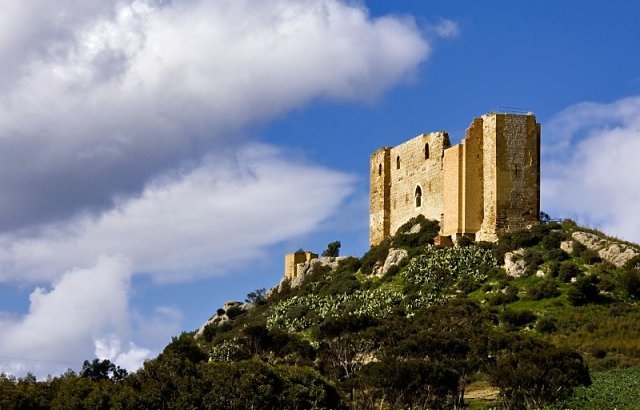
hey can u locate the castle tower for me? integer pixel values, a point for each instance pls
(379, 196)
(511, 169)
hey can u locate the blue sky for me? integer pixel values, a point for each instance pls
(159, 157)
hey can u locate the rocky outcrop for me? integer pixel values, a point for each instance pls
(394, 257)
(514, 263)
(568, 246)
(221, 315)
(307, 268)
(609, 250)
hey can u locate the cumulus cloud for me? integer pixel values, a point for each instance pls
(108, 94)
(590, 166)
(200, 221)
(64, 322)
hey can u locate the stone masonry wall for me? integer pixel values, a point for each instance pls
(511, 174)
(410, 171)
(452, 190)
(291, 261)
(379, 197)
(472, 211)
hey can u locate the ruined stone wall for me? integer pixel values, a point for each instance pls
(451, 221)
(416, 165)
(291, 261)
(511, 174)
(379, 197)
(472, 211)
(463, 186)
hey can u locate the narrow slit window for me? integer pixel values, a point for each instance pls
(379, 169)
(426, 151)
(398, 162)
(418, 197)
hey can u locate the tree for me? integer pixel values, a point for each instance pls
(533, 374)
(102, 370)
(333, 249)
(544, 217)
(258, 296)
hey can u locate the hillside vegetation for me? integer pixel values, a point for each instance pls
(438, 323)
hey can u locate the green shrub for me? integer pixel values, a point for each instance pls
(584, 291)
(553, 239)
(590, 257)
(547, 324)
(464, 241)
(467, 284)
(513, 319)
(629, 281)
(428, 231)
(556, 254)
(533, 259)
(377, 253)
(234, 311)
(509, 295)
(568, 270)
(544, 290)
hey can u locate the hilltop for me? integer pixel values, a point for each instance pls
(526, 320)
(461, 314)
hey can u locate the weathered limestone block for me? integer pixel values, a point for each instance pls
(394, 257)
(231, 303)
(415, 228)
(514, 264)
(611, 251)
(591, 241)
(567, 246)
(617, 254)
(307, 268)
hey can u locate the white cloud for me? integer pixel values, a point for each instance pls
(591, 166)
(110, 348)
(62, 324)
(446, 29)
(110, 94)
(201, 221)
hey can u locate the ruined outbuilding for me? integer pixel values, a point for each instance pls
(486, 185)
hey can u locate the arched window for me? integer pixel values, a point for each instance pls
(426, 151)
(379, 169)
(418, 197)
(398, 162)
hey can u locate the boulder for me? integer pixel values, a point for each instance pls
(514, 264)
(394, 257)
(567, 246)
(415, 228)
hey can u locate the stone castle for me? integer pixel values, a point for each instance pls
(486, 185)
